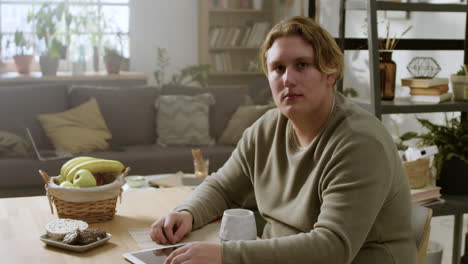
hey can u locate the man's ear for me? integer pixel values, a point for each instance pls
(331, 79)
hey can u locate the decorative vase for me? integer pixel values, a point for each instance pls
(453, 177)
(23, 63)
(387, 75)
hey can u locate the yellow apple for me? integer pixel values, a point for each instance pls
(84, 178)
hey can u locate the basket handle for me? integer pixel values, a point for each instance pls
(45, 176)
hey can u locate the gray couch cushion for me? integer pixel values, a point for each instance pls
(19, 106)
(128, 111)
(227, 99)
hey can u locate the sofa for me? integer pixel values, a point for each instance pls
(130, 114)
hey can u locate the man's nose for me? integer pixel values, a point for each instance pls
(289, 78)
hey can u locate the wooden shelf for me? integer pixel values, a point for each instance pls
(224, 74)
(240, 10)
(13, 77)
(214, 49)
(415, 7)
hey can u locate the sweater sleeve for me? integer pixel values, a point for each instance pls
(354, 186)
(229, 187)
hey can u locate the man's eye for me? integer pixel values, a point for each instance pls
(279, 68)
(302, 65)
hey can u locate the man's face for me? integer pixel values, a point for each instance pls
(297, 86)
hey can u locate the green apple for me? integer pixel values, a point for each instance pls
(84, 178)
(67, 184)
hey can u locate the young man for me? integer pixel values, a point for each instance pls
(323, 173)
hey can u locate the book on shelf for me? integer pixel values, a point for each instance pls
(431, 202)
(431, 98)
(425, 194)
(423, 83)
(433, 90)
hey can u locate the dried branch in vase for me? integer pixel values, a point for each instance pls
(389, 43)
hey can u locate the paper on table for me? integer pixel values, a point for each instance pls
(209, 233)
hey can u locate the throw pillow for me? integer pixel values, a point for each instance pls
(184, 119)
(77, 130)
(244, 117)
(12, 145)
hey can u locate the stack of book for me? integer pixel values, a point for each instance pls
(433, 90)
(427, 195)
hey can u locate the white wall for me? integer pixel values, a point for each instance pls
(169, 24)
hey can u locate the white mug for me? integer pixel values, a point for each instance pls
(238, 224)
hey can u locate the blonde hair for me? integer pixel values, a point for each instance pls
(328, 57)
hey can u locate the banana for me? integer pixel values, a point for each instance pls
(97, 166)
(67, 166)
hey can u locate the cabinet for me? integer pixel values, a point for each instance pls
(376, 105)
(230, 35)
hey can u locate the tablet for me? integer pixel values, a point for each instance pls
(153, 256)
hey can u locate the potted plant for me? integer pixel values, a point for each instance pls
(113, 57)
(451, 161)
(458, 82)
(113, 60)
(46, 20)
(22, 59)
(187, 75)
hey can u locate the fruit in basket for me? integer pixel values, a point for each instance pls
(97, 166)
(67, 166)
(67, 184)
(84, 178)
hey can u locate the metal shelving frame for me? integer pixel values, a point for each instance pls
(376, 105)
(379, 107)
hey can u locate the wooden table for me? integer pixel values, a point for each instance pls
(23, 220)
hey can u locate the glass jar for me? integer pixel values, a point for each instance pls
(387, 75)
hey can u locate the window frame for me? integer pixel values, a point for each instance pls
(8, 63)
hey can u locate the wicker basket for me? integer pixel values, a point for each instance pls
(417, 172)
(91, 204)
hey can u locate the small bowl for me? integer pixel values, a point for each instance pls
(135, 181)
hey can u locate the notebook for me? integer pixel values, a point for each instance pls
(44, 155)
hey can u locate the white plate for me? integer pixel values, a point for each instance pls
(77, 248)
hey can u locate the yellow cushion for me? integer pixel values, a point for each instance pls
(244, 117)
(77, 130)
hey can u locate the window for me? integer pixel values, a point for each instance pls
(95, 24)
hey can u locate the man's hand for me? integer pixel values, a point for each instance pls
(172, 227)
(196, 253)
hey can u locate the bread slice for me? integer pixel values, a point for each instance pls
(58, 228)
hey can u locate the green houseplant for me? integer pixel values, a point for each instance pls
(113, 57)
(113, 60)
(190, 74)
(451, 161)
(22, 59)
(458, 82)
(47, 20)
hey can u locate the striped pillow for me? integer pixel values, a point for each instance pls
(184, 119)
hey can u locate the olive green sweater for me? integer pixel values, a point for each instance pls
(343, 199)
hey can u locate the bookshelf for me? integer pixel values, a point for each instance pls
(230, 35)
